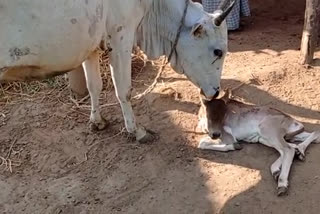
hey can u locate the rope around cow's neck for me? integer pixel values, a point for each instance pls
(165, 62)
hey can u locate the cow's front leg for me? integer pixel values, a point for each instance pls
(120, 66)
(94, 84)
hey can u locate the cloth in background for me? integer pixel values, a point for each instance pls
(241, 8)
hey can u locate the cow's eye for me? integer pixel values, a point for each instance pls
(218, 53)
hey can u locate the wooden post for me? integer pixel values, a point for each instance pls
(77, 83)
(310, 31)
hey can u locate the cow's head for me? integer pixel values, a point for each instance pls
(215, 111)
(201, 51)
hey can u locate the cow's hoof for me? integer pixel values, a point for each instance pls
(276, 175)
(149, 137)
(237, 146)
(282, 191)
(299, 154)
(98, 126)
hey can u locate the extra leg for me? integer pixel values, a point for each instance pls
(120, 66)
(94, 84)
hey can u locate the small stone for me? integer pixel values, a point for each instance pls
(237, 204)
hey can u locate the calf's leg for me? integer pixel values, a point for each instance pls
(304, 145)
(276, 168)
(224, 144)
(303, 136)
(283, 183)
(273, 136)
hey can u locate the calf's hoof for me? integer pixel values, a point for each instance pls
(237, 146)
(276, 175)
(98, 126)
(299, 154)
(282, 191)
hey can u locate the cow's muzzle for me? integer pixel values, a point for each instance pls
(210, 97)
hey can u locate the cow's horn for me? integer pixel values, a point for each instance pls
(225, 11)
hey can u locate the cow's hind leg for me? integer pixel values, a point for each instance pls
(94, 84)
(120, 66)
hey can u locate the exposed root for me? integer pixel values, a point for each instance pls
(6, 161)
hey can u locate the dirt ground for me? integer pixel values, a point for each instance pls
(60, 166)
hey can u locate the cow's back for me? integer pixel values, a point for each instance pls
(51, 35)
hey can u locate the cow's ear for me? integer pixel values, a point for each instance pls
(198, 30)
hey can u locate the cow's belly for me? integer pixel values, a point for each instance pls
(48, 36)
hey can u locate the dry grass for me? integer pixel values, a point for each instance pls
(17, 92)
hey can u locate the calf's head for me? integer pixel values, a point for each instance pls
(215, 111)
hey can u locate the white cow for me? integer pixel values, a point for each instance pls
(42, 38)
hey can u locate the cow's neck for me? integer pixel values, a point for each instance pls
(157, 31)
